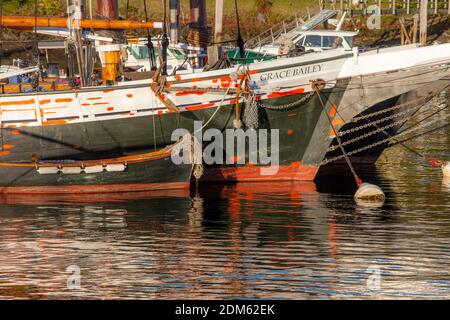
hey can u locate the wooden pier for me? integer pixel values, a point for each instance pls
(388, 7)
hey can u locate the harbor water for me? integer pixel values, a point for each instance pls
(239, 241)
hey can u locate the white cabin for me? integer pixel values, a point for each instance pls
(316, 40)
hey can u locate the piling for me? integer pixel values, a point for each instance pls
(109, 9)
(423, 22)
(218, 21)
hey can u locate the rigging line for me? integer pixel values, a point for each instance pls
(357, 179)
(352, 106)
(387, 140)
(240, 41)
(422, 120)
(402, 144)
(1, 32)
(154, 131)
(418, 135)
(220, 104)
(406, 69)
(383, 110)
(385, 84)
(150, 47)
(146, 15)
(35, 28)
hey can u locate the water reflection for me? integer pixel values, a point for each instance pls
(225, 241)
(446, 183)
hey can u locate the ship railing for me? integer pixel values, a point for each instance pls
(27, 87)
(273, 33)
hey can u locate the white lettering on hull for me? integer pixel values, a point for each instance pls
(289, 73)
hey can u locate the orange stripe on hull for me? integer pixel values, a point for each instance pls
(278, 94)
(202, 106)
(17, 103)
(333, 110)
(106, 188)
(53, 122)
(64, 100)
(186, 93)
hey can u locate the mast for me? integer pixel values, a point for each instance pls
(76, 13)
(150, 47)
(164, 42)
(174, 21)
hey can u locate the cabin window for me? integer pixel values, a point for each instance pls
(313, 41)
(331, 42)
(349, 40)
(178, 54)
(300, 42)
(139, 52)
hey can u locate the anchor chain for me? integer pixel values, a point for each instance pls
(377, 113)
(371, 133)
(376, 122)
(291, 105)
(377, 143)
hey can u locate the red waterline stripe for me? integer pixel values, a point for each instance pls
(253, 173)
(106, 188)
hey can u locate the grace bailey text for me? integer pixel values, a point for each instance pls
(291, 72)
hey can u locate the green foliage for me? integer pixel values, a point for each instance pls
(14, 7)
(26, 7)
(50, 7)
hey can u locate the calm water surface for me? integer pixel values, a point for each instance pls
(264, 240)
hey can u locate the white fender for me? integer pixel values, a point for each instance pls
(71, 170)
(48, 170)
(93, 169)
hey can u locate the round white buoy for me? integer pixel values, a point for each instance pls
(446, 170)
(369, 193)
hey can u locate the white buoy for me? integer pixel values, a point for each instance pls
(369, 194)
(446, 170)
